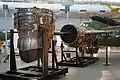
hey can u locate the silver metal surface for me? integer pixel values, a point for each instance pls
(30, 22)
(29, 43)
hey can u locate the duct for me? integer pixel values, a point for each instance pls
(30, 22)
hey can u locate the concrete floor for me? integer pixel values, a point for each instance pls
(96, 71)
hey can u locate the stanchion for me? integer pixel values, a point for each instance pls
(107, 59)
(12, 53)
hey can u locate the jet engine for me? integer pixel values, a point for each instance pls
(101, 31)
(29, 22)
(77, 37)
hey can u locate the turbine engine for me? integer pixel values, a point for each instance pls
(29, 22)
(77, 37)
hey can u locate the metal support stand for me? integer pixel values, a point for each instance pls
(45, 52)
(76, 61)
(107, 61)
(106, 47)
(38, 63)
(62, 54)
(54, 57)
(77, 56)
(53, 51)
(12, 53)
(62, 51)
(32, 72)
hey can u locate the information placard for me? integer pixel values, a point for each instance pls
(67, 2)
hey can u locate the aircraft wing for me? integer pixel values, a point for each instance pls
(112, 28)
(105, 20)
(112, 24)
(99, 31)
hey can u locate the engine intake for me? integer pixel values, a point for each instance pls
(77, 37)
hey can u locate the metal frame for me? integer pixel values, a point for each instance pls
(106, 54)
(76, 61)
(32, 72)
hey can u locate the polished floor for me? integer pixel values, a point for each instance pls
(96, 71)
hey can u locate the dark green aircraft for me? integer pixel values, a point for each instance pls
(90, 35)
(112, 35)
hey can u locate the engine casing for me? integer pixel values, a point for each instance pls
(30, 22)
(77, 37)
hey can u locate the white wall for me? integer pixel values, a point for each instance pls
(6, 23)
(61, 22)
